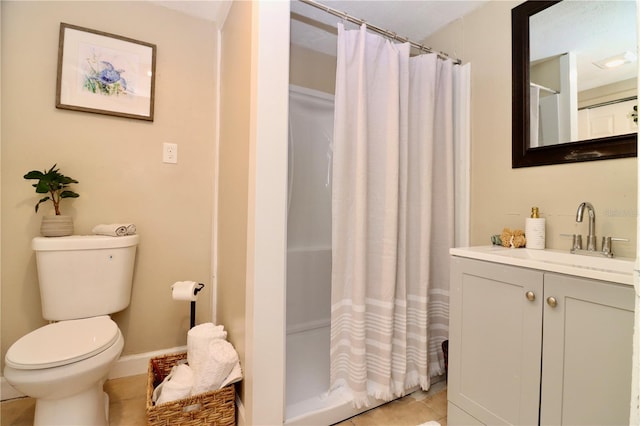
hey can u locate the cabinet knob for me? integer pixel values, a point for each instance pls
(531, 296)
(551, 301)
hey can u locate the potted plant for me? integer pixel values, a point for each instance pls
(56, 186)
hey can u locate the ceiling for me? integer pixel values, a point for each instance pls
(593, 30)
(316, 29)
(211, 10)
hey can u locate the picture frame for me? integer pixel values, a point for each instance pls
(105, 73)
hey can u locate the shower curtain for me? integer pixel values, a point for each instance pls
(392, 214)
(534, 116)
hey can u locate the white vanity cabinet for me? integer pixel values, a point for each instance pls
(495, 341)
(516, 359)
(587, 350)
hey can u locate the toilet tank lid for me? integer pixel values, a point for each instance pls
(83, 242)
(62, 343)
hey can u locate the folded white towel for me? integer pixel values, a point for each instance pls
(177, 385)
(234, 376)
(215, 369)
(198, 340)
(115, 229)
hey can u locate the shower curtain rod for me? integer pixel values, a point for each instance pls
(546, 89)
(375, 28)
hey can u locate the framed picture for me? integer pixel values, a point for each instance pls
(105, 74)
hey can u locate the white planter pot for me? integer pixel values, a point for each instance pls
(56, 226)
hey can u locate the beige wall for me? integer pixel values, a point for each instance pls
(547, 73)
(311, 69)
(116, 160)
(609, 92)
(502, 196)
(235, 106)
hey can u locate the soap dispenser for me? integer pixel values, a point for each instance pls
(535, 230)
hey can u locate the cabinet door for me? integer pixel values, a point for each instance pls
(495, 338)
(587, 350)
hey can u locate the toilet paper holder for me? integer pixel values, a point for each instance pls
(198, 288)
(187, 290)
(192, 321)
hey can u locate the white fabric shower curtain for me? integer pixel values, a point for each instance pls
(392, 214)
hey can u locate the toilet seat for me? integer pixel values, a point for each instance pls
(62, 343)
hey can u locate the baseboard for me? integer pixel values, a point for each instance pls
(131, 365)
(7, 391)
(240, 419)
(128, 365)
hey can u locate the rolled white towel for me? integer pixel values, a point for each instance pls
(198, 339)
(215, 369)
(177, 385)
(115, 229)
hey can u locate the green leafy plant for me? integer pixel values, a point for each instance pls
(54, 183)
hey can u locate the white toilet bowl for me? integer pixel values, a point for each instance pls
(64, 366)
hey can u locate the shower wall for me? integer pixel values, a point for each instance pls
(309, 247)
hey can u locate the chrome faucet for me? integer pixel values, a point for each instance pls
(591, 238)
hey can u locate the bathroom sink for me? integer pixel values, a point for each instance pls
(619, 270)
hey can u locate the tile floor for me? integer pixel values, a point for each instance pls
(127, 407)
(414, 409)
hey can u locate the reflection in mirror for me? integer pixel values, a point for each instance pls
(570, 103)
(583, 68)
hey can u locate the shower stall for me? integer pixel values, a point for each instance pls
(308, 249)
(308, 400)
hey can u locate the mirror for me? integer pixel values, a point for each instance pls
(573, 120)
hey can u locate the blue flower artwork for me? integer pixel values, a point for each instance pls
(102, 77)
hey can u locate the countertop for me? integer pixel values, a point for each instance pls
(618, 270)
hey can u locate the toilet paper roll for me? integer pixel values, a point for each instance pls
(184, 290)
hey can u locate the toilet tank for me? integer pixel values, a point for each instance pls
(83, 276)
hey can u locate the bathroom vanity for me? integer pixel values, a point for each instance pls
(539, 337)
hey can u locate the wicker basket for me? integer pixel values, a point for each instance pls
(210, 408)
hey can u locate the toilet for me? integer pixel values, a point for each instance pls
(63, 365)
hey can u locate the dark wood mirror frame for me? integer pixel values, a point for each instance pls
(619, 146)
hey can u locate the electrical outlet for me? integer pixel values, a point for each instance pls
(170, 153)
